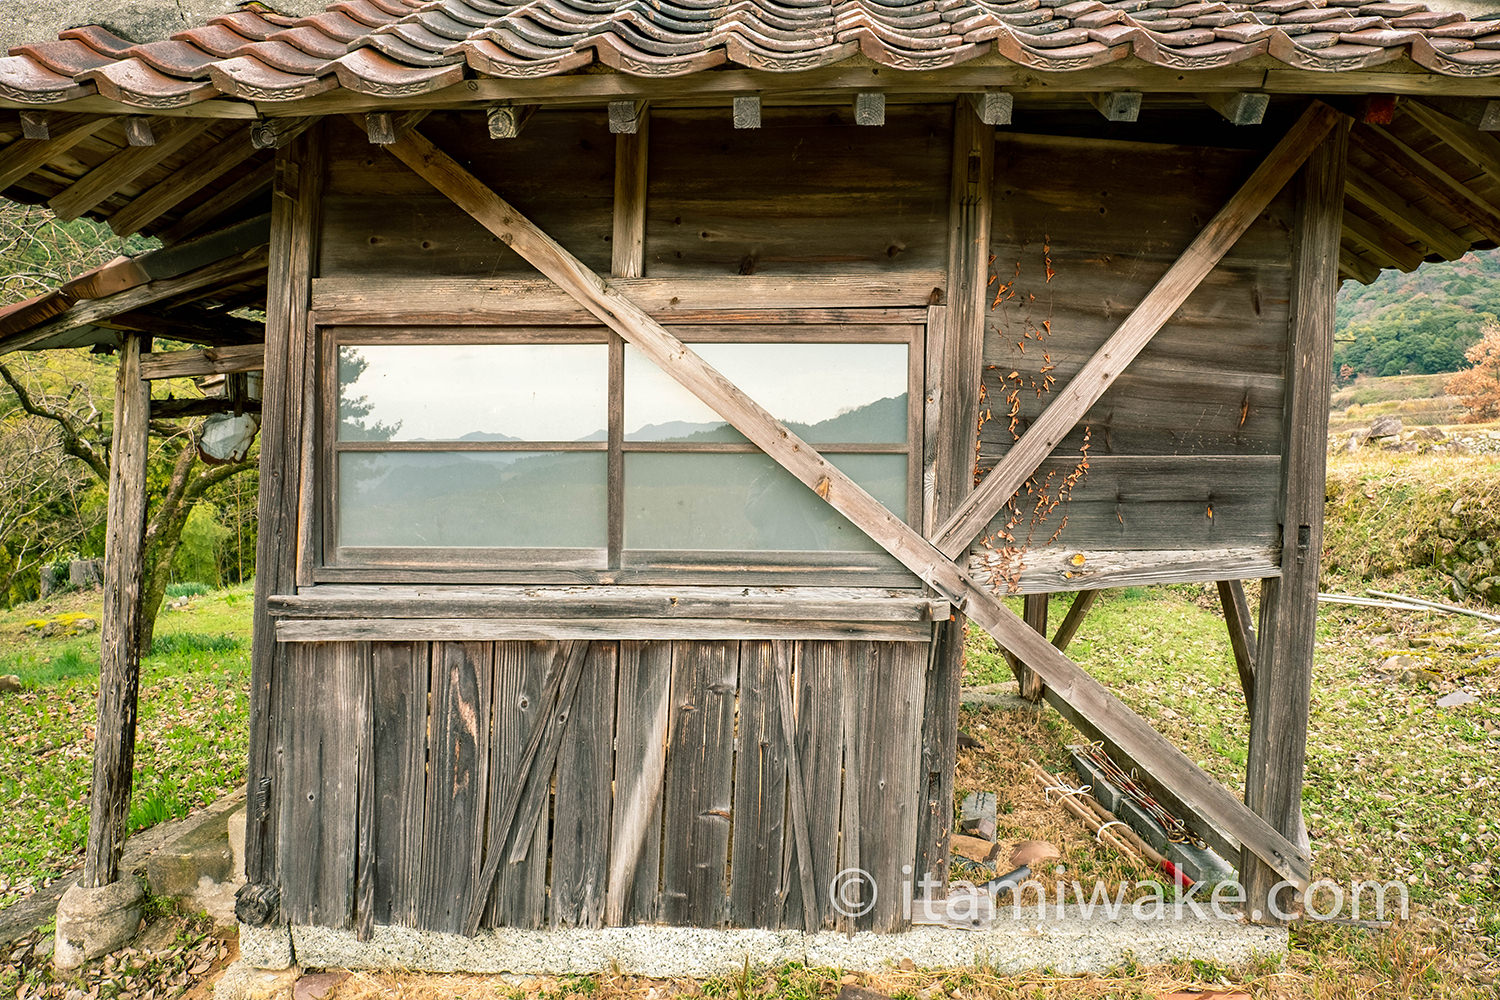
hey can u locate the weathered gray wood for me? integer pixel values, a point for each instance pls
(993, 107)
(120, 644)
(399, 680)
(797, 849)
(521, 702)
(625, 117)
(854, 892)
(274, 133)
(1034, 610)
(457, 786)
(178, 186)
(747, 111)
(293, 237)
(208, 361)
(581, 810)
(1427, 178)
(125, 166)
(641, 723)
(760, 790)
(1057, 568)
(1480, 113)
(637, 601)
(1243, 108)
(490, 630)
(453, 301)
(1396, 212)
(820, 752)
(890, 682)
(36, 124)
(249, 185)
(507, 120)
(361, 699)
(27, 155)
(1476, 145)
(943, 682)
(380, 126)
(1082, 699)
(1241, 634)
(1118, 105)
(1073, 620)
(1289, 607)
(1085, 388)
(322, 737)
(869, 108)
(699, 794)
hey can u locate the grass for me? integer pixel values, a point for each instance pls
(191, 737)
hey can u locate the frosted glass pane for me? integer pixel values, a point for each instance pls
(473, 392)
(472, 499)
(746, 502)
(841, 393)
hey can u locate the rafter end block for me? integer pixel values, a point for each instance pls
(506, 121)
(625, 116)
(138, 131)
(747, 111)
(994, 107)
(1118, 105)
(380, 126)
(1243, 108)
(35, 125)
(869, 108)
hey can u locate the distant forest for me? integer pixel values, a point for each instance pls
(1419, 323)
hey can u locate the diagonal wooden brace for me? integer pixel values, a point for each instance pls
(1078, 696)
(1184, 276)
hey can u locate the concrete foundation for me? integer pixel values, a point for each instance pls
(94, 922)
(1068, 943)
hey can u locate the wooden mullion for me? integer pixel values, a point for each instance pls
(737, 447)
(615, 463)
(1081, 698)
(1166, 296)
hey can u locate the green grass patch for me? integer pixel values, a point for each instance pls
(187, 589)
(179, 643)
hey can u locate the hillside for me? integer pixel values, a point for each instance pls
(1418, 323)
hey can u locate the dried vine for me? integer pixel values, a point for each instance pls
(1036, 503)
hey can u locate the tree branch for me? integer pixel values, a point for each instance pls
(73, 442)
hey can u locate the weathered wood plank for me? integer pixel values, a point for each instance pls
(1034, 613)
(939, 751)
(457, 786)
(120, 646)
(439, 601)
(177, 187)
(1077, 695)
(641, 726)
(399, 679)
(294, 209)
(699, 794)
(456, 301)
(889, 681)
(521, 689)
(491, 630)
(1085, 388)
(820, 752)
(26, 155)
(209, 361)
(365, 810)
(760, 774)
(628, 244)
(797, 849)
(581, 809)
(1289, 607)
(1058, 568)
(122, 168)
(1242, 108)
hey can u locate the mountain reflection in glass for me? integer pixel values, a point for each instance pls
(473, 392)
(844, 393)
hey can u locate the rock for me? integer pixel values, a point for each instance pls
(976, 815)
(10, 684)
(1399, 664)
(200, 850)
(1385, 427)
(242, 982)
(1457, 698)
(158, 937)
(317, 985)
(94, 922)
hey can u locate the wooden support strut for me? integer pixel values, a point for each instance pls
(1079, 697)
(120, 651)
(1164, 299)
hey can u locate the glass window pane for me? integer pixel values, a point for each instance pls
(746, 502)
(473, 392)
(841, 393)
(472, 499)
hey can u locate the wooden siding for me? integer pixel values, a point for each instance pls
(668, 792)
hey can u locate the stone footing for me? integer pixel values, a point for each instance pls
(94, 922)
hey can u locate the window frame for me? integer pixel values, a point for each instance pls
(613, 563)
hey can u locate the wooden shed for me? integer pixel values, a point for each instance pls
(653, 393)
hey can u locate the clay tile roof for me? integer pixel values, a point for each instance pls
(404, 47)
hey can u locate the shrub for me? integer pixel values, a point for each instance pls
(1478, 387)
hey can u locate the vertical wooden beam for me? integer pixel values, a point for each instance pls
(627, 260)
(1289, 606)
(1034, 613)
(294, 238)
(120, 652)
(955, 351)
(1241, 634)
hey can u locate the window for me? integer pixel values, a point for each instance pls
(563, 453)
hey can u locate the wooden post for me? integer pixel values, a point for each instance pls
(1289, 606)
(120, 659)
(1034, 613)
(294, 217)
